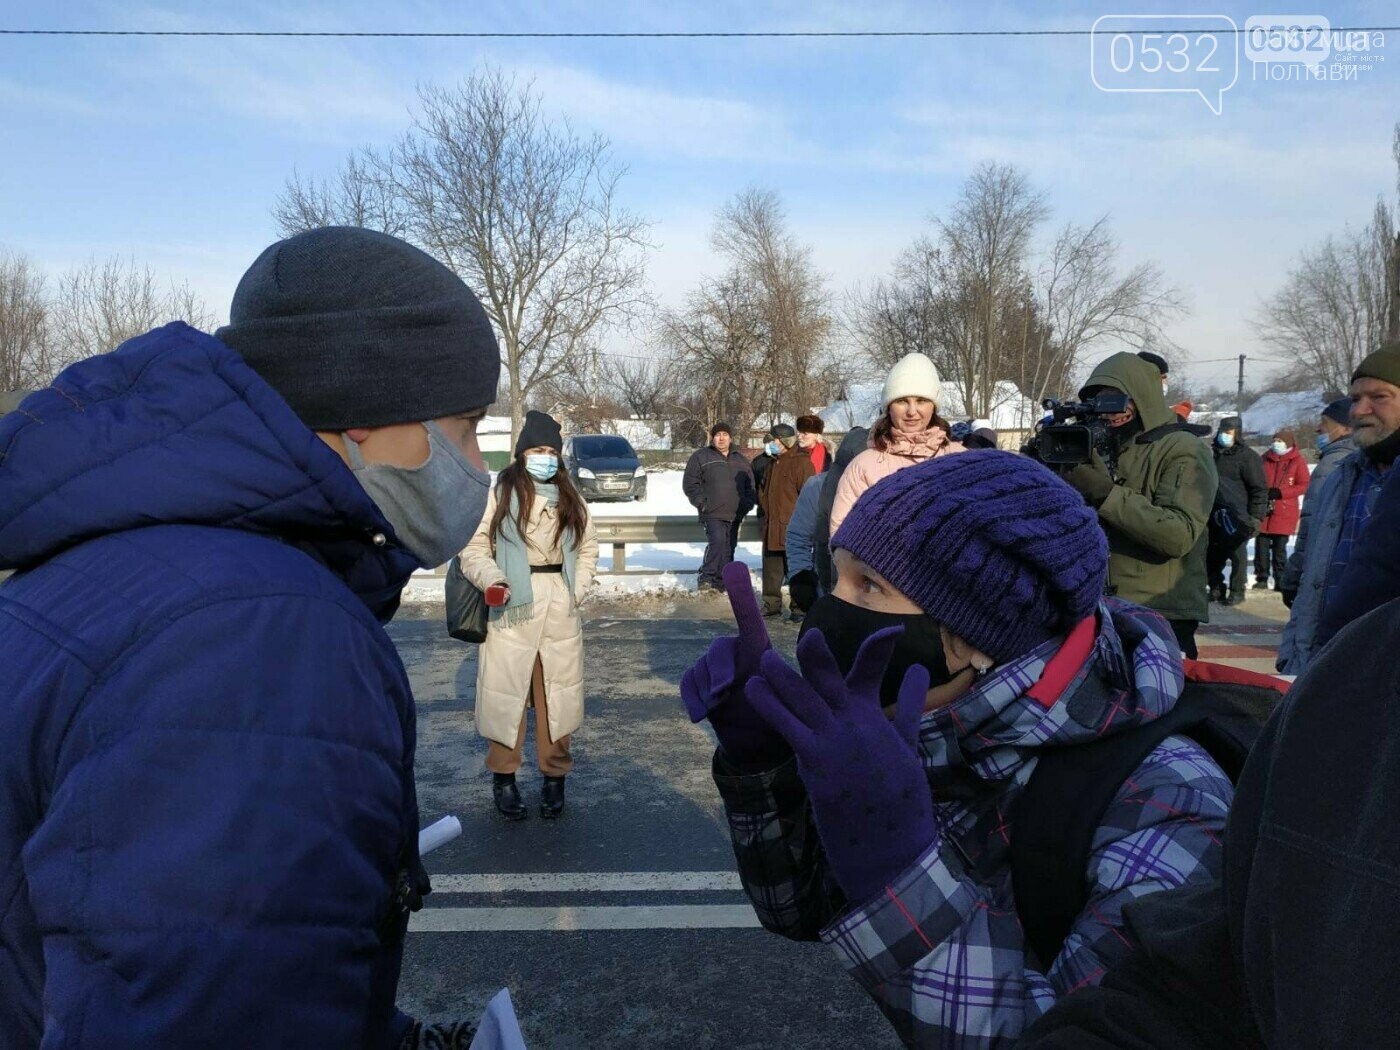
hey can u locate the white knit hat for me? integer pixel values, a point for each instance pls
(913, 376)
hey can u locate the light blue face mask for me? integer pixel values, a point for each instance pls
(1279, 447)
(541, 467)
(1225, 440)
(1323, 441)
(434, 507)
(773, 448)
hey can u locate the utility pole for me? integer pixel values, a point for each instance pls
(1239, 389)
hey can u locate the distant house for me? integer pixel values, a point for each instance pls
(1274, 412)
(642, 434)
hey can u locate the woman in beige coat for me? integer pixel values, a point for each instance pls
(537, 540)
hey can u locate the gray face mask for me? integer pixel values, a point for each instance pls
(434, 508)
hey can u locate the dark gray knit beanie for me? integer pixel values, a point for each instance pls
(355, 328)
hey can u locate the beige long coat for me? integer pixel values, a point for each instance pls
(554, 631)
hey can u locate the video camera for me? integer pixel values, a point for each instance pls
(1077, 429)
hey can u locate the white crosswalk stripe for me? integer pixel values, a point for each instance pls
(587, 882)
(639, 917)
(454, 918)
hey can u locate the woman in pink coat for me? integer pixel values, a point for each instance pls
(910, 431)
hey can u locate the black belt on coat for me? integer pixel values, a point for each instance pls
(546, 568)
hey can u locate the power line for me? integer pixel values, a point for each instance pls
(800, 34)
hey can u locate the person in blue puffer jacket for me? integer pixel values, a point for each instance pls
(208, 833)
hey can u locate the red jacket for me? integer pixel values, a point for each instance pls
(1289, 474)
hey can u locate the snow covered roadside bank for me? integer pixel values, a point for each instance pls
(666, 567)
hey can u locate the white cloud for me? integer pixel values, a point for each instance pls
(28, 98)
(668, 124)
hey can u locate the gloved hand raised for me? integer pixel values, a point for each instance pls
(869, 793)
(714, 687)
(1091, 480)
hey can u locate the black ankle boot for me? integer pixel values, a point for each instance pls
(552, 797)
(507, 796)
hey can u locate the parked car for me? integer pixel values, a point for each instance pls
(605, 466)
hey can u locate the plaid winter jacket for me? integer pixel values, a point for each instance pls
(941, 948)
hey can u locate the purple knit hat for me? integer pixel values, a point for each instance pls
(990, 544)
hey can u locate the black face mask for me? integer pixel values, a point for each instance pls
(846, 626)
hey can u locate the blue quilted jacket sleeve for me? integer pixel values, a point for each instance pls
(229, 809)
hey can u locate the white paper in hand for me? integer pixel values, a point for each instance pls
(499, 1030)
(438, 834)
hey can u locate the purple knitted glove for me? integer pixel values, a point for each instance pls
(869, 794)
(714, 687)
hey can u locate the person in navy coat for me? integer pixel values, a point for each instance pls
(208, 822)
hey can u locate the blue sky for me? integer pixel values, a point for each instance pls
(173, 151)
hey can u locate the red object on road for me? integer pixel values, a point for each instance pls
(496, 594)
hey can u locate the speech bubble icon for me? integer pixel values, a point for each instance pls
(1166, 54)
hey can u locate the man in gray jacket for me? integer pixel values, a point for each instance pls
(1333, 520)
(719, 484)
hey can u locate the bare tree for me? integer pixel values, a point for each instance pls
(890, 319)
(100, 305)
(1085, 302)
(1340, 301)
(646, 387)
(787, 295)
(720, 343)
(525, 211)
(1333, 308)
(972, 296)
(356, 197)
(26, 345)
(1392, 282)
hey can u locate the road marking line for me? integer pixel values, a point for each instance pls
(587, 882)
(510, 920)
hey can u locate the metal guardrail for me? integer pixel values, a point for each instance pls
(620, 531)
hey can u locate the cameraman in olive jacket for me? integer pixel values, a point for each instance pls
(1155, 510)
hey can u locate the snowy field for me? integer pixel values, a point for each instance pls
(668, 566)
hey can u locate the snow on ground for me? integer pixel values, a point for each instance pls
(664, 499)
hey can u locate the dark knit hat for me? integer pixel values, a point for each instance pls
(359, 329)
(1156, 360)
(990, 544)
(810, 424)
(1384, 365)
(540, 430)
(1339, 411)
(1230, 423)
(721, 428)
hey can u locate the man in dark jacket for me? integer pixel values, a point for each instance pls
(1241, 504)
(209, 824)
(1334, 439)
(1295, 948)
(719, 485)
(1154, 508)
(778, 499)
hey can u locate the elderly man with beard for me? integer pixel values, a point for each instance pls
(1319, 577)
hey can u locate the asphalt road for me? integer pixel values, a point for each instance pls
(642, 846)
